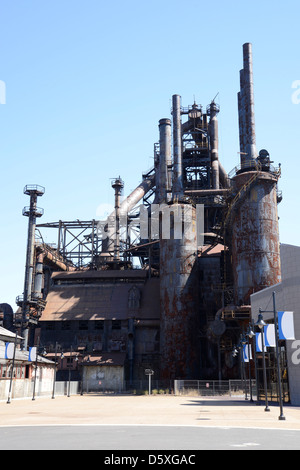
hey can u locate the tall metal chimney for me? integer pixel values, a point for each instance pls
(177, 149)
(118, 185)
(214, 141)
(32, 212)
(246, 109)
(164, 159)
(242, 120)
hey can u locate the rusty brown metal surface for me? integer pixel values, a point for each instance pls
(178, 303)
(105, 359)
(255, 238)
(92, 296)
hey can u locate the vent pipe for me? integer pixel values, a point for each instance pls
(117, 185)
(177, 149)
(214, 139)
(164, 159)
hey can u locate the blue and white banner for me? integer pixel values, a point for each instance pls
(9, 350)
(247, 353)
(270, 341)
(32, 354)
(258, 342)
(286, 325)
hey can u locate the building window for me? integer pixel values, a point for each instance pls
(66, 325)
(99, 324)
(3, 372)
(116, 324)
(83, 324)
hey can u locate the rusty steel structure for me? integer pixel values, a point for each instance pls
(187, 284)
(255, 251)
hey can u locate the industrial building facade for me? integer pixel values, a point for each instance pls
(172, 294)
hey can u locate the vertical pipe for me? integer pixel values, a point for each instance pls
(164, 158)
(36, 368)
(54, 377)
(93, 242)
(213, 134)
(117, 185)
(28, 269)
(264, 369)
(12, 369)
(131, 334)
(177, 149)
(38, 280)
(59, 236)
(281, 416)
(249, 102)
(242, 123)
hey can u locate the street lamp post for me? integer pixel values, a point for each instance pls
(250, 335)
(261, 325)
(12, 368)
(54, 378)
(243, 342)
(255, 365)
(70, 365)
(36, 367)
(281, 417)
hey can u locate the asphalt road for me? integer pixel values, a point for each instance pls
(112, 438)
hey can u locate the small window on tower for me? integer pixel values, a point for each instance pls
(66, 325)
(83, 324)
(99, 324)
(116, 324)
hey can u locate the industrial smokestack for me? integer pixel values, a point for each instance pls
(246, 109)
(164, 159)
(177, 149)
(118, 185)
(32, 212)
(242, 121)
(214, 139)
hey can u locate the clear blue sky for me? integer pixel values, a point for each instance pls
(87, 82)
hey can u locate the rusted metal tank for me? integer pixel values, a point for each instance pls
(255, 236)
(178, 297)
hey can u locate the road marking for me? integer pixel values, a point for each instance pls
(246, 444)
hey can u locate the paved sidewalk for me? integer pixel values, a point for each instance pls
(145, 410)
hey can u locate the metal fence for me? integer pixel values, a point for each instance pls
(153, 386)
(210, 388)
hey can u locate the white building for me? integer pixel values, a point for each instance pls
(287, 298)
(23, 371)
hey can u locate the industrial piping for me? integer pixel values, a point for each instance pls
(165, 159)
(177, 150)
(213, 134)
